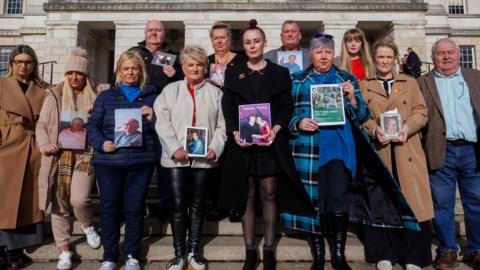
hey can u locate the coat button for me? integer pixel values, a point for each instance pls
(140, 99)
(404, 102)
(443, 133)
(369, 100)
(410, 159)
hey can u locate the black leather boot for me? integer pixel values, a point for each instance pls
(251, 258)
(317, 247)
(179, 231)
(195, 228)
(269, 262)
(338, 223)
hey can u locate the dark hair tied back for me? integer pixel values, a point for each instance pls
(252, 24)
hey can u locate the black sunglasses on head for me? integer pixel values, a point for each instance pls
(322, 35)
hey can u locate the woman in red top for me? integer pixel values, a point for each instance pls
(355, 54)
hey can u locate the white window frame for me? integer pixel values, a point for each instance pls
(464, 5)
(4, 60)
(7, 11)
(472, 52)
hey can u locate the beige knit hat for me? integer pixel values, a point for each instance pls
(77, 61)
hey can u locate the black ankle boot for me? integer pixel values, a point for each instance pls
(317, 247)
(269, 262)
(338, 228)
(251, 258)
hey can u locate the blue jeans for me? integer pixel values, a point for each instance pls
(461, 165)
(122, 188)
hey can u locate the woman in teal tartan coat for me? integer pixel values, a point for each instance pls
(329, 158)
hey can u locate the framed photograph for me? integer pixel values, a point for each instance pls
(255, 123)
(72, 133)
(162, 58)
(128, 128)
(327, 104)
(293, 60)
(196, 141)
(391, 123)
(217, 73)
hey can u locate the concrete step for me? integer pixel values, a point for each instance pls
(224, 227)
(222, 248)
(221, 266)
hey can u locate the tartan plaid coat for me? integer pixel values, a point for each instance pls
(305, 151)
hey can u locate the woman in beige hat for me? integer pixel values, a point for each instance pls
(66, 175)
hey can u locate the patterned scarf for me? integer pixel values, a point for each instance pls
(65, 170)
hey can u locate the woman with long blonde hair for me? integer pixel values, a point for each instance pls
(355, 54)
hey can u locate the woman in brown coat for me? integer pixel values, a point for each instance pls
(405, 158)
(21, 97)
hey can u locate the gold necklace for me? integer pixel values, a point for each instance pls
(225, 56)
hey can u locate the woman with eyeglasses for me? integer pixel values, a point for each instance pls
(22, 93)
(267, 167)
(325, 156)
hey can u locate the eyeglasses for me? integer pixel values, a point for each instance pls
(27, 63)
(322, 35)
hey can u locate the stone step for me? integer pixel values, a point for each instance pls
(224, 227)
(221, 266)
(222, 248)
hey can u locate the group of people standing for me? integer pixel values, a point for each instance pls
(316, 178)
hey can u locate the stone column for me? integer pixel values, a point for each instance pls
(196, 32)
(61, 38)
(127, 35)
(272, 29)
(411, 34)
(337, 29)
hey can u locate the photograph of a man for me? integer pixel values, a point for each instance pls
(291, 64)
(128, 132)
(74, 136)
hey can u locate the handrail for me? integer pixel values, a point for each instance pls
(42, 66)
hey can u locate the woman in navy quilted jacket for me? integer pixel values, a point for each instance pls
(123, 173)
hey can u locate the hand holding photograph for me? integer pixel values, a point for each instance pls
(128, 128)
(391, 123)
(73, 134)
(162, 58)
(327, 104)
(255, 123)
(196, 141)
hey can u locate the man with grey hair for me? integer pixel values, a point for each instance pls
(154, 41)
(290, 36)
(451, 144)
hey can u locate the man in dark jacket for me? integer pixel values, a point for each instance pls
(452, 145)
(413, 64)
(158, 75)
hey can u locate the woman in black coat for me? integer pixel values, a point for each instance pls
(270, 163)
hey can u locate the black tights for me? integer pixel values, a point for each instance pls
(268, 194)
(188, 186)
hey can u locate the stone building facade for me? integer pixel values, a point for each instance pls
(107, 28)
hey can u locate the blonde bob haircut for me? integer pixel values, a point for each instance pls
(364, 53)
(220, 25)
(195, 53)
(385, 42)
(131, 55)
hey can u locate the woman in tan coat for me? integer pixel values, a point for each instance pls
(21, 96)
(389, 91)
(66, 175)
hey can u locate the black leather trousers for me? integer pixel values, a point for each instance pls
(188, 187)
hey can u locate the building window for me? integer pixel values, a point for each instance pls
(456, 7)
(467, 56)
(4, 54)
(14, 7)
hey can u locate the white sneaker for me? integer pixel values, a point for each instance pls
(176, 263)
(195, 262)
(384, 265)
(106, 265)
(93, 239)
(409, 266)
(132, 264)
(65, 260)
